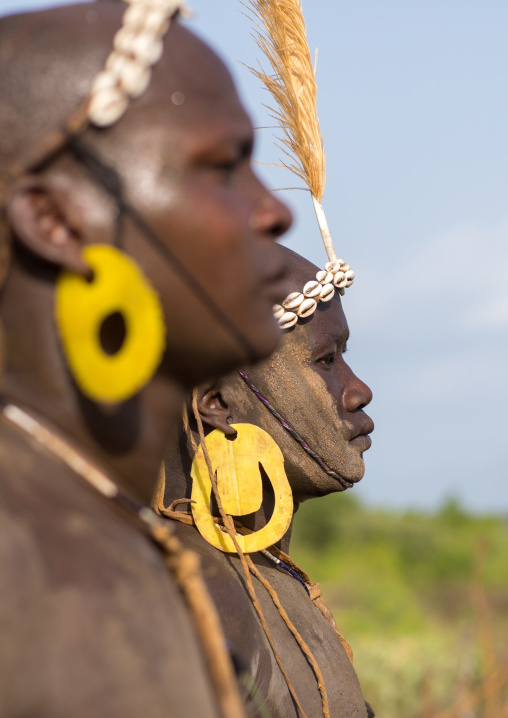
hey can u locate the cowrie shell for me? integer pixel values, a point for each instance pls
(293, 300)
(327, 292)
(278, 311)
(135, 78)
(169, 6)
(287, 320)
(324, 277)
(116, 62)
(147, 48)
(307, 307)
(173, 5)
(333, 266)
(341, 283)
(107, 106)
(312, 289)
(123, 40)
(156, 22)
(135, 16)
(338, 278)
(104, 80)
(346, 267)
(350, 277)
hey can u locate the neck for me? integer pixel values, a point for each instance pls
(178, 462)
(127, 440)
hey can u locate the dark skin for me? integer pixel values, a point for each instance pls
(187, 171)
(93, 623)
(312, 386)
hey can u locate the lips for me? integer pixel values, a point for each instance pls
(363, 442)
(274, 282)
(360, 438)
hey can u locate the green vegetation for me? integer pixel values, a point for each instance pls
(422, 598)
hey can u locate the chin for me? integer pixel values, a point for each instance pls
(355, 471)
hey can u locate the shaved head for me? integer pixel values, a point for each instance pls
(177, 160)
(47, 63)
(49, 59)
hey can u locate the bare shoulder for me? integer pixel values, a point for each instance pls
(91, 621)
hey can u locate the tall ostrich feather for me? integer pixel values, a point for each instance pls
(281, 35)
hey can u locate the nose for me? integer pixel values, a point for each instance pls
(271, 217)
(357, 395)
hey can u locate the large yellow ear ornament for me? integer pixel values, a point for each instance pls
(236, 464)
(118, 287)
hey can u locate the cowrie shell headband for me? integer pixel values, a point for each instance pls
(137, 47)
(299, 305)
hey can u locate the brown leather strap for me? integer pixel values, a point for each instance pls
(315, 595)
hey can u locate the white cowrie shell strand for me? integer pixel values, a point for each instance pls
(137, 47)
(335, 276)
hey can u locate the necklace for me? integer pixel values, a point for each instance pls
(183, 564)
(269, 556)
(285, 567)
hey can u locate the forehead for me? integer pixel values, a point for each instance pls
(327, 325)
(193, 89)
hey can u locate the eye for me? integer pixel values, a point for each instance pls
(327, 360)
(226, 165)
(225, 170)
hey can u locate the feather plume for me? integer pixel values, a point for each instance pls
(281, 36)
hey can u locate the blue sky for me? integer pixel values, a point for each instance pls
(413, 102)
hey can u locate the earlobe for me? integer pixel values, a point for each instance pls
(214, 410)
(37, 216)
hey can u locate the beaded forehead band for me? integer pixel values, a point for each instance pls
(292, 84)
(137, 46)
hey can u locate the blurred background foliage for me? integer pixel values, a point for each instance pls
(421, 597)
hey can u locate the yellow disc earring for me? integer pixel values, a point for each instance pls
(118, 289)
(236, 464)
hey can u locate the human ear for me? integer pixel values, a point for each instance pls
(214, 411)
(39, 218)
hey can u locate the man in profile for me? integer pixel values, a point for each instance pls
(305, 389)
(92, 622)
